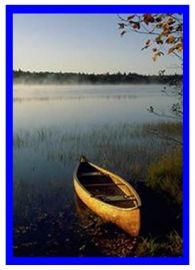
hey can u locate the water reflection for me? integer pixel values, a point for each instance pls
(25, 99)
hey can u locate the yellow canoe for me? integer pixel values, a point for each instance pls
(108, 195)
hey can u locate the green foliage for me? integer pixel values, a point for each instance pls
(165, 175)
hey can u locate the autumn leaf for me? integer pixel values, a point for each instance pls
(147, 45)
(159, 40)
(171, 50)
(148, 18)
(170, 39)
(156, 55)
(166, 32)
(147, 42)
(165, 26)
(136, 25)
(171, 21)
(179, 28)
(159, 25)
(158, 19)
(179, 47)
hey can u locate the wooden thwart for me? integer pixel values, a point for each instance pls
(117, 198)
(91, 174)
(104, 185)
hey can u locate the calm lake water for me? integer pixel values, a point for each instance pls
(53, 126)
(86, 106)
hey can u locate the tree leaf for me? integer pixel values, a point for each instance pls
(179, 47)
(171, 50)
(159, 19)
(170, 39)
(147, 42)
(159, 40)
(155, 56)
(148, 18)
(179, 28)
(171, 21)
(136, 25)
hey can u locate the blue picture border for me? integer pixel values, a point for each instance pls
(106, 9)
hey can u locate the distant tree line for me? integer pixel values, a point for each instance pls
(46, 77)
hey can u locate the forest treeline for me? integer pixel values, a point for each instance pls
(27, 77)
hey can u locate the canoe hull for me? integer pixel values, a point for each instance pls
(127, 219)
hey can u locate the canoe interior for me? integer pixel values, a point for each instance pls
(102, 187)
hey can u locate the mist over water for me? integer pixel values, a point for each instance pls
(85, 106)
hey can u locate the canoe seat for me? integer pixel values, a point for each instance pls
(90, 174)
(104, 184)
(116, 198)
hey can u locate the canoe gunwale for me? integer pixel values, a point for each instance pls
(75, 178)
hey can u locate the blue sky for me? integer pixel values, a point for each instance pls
(81, 43)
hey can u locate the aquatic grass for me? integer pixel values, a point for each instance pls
(172, 128)
(169, 131)
(123, 148)
(18, 141)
